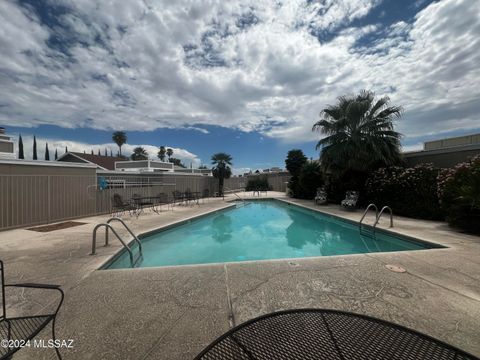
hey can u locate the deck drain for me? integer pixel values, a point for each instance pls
(395, 268)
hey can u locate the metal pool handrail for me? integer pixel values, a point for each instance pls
(365, 214)
(380, 215)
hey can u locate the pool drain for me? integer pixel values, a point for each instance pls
(395, 268)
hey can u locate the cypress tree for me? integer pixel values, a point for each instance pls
(34, 148)
(98, 152)
(56, 154)
(111, 153)
(92, 152)
(66, 149)
(106, 154)
(20, 148)
(47, 152)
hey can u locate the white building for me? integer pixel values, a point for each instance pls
(7, 146)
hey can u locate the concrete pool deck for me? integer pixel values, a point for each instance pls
(174, 312)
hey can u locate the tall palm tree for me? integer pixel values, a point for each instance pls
(169, 153)
(161, 153)
(139, 153)
(360, 133)
(221, 169)
(119, 138)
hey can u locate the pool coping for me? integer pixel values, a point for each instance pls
(231, 205)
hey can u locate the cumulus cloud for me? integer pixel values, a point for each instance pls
(185, 156)
(252, 65)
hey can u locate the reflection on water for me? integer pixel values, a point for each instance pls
(222, 228)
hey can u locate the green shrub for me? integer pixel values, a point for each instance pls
(258, 183)
(409, 192)
(459, 193)
(350, 180)
(310, 178)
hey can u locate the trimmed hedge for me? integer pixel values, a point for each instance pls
(409, 192)
(459, 193)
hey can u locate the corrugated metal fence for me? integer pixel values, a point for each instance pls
(27, 200)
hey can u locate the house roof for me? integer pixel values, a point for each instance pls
(103, 162)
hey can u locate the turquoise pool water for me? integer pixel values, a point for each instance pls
(260, 230)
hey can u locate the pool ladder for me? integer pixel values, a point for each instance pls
(133, 260)
(242, 199)
(378, 215)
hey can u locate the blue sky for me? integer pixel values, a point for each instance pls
(244, 77)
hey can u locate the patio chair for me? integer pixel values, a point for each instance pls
(189, 195)
(321, 196)
(178, 197)
(205, 194)
(350, 201)
(119, 206)
(162, 199)
(20, 329)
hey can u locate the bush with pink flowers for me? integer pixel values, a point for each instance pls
(409, 192)
(459, 193)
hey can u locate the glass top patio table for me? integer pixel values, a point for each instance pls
(326, 334)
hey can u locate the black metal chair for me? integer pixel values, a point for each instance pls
(119, 206)
(162, 199)
(18, 330)
(178, 197)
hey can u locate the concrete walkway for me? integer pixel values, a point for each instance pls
(174, 312)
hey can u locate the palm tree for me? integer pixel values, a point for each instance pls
(169, 153)
(139, 153)
(119, 138)
(221, 169)
(161, 153)
(360, 134)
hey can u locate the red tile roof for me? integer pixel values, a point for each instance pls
(107, 162)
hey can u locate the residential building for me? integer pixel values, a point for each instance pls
(102, 162)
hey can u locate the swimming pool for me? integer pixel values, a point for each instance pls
(260, 230)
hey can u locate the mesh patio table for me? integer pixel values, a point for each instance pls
(326, 334)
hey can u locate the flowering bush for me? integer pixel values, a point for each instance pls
(459, 192)
(408, 191)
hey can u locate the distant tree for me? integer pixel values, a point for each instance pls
(169, 153)
(111, 153)
(176, 162)
(294, 163)
(66, 149)
(98, 152)
(56, 154)
(84, 152)
(119, 138)
(35, 157)
(257, 171)
(221, 169)
(139, 153)
(106, 153)
(92, 152)
(203, 167)
(47, 152)
(161, 153)
(21, 155)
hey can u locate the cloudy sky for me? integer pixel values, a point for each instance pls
(245, 77)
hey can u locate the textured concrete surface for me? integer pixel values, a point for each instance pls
(174, 312)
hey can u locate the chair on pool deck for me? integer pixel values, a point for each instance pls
(321, 197)
(189, 195)
(162, 199)
(119, 206)
(350, 201)
(24, 328)
(178, 197)
(205, 194)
